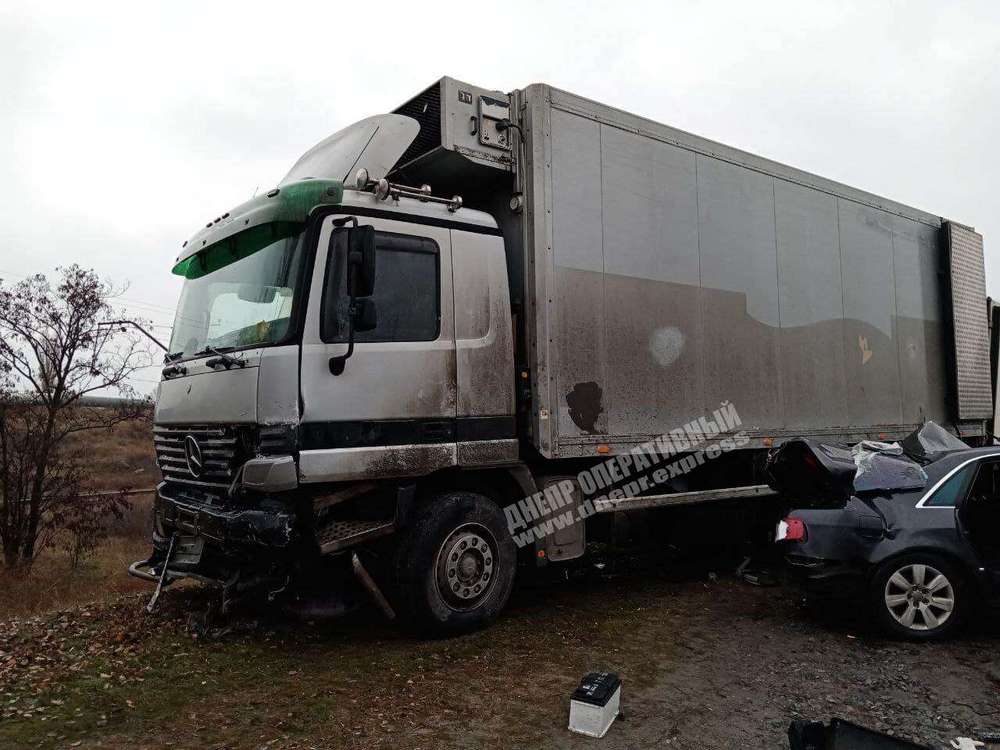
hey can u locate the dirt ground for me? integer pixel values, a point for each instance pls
(705, 662)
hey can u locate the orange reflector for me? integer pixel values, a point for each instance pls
(882, 436)
(604, 449)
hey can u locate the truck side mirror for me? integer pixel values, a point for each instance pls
(360, 285)
(361, 261)
(365, 315)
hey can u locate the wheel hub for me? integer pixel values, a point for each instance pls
(466, 565)
(919, 597)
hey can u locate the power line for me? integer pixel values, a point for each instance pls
(147, 304)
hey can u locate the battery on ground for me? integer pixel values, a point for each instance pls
(595, 704)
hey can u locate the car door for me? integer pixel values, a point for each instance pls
(978, 516)
(391, 412)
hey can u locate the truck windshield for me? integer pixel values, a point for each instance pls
(238, 293)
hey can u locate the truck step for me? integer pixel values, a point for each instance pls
(342, 534)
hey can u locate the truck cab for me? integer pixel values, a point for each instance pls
(333, 345)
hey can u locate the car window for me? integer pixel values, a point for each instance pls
(949, 493)
(985, 486)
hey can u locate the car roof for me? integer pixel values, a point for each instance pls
(950, 460)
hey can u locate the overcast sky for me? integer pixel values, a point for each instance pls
(125, 127)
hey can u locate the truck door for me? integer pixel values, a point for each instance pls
(391, 412)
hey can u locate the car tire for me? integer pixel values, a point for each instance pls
(919, 596)
(455, 564)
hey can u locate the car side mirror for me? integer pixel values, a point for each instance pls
(365, 315)
(361, 261)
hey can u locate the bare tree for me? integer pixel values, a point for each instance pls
(57, 344)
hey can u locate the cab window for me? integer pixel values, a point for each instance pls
(407, 290)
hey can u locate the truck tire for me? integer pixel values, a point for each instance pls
(919, 596)
(455, 564)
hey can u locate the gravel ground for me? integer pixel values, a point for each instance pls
(705, 662)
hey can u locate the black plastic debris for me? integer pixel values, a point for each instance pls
(842, 735)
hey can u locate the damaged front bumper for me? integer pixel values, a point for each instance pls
(241, 526)
(213, 542)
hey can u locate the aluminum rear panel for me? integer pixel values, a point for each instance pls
(972, 345)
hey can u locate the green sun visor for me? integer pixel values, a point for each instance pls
(254, 225)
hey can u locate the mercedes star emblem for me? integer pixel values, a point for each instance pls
(192, 452)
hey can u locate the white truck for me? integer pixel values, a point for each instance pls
(369, 377)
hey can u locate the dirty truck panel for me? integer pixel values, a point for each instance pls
(688, 273)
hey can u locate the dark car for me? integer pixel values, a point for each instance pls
(915, 534)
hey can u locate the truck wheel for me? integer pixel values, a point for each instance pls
(920, 596)
(455, 564)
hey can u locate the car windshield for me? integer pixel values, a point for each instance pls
(239, 292)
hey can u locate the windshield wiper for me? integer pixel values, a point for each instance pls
(222, 358)
(167, 358)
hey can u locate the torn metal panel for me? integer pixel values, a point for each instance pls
(883, 467)
(930, 443)
(809, 469)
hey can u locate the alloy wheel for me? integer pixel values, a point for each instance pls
(919, 597)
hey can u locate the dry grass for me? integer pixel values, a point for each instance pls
(123, 458)
(52, 584)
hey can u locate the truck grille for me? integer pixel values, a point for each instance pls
(217, 446)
